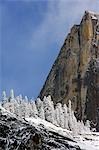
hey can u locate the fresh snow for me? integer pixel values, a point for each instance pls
(49, 126)
(59, 119)
(93, 15)
(5, 112)
(59, 115)
(86, 141)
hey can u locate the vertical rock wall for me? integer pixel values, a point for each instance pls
(75, 73)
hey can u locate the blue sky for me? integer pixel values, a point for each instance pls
(32, 33)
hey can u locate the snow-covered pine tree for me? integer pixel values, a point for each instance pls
(4, 98)
(79, 126)
(65, 116)
(16, 107)
(13, 102)
(74, 126)
(49, 109)
(82, 128)
(10, 104)
(12, 94)
(60, 112)
(57, 119)
(22, 107)
(87, 126)
(26, 99)
(70, 121)
(69, 107)
(27, 107)
(7, 106)
(40, 108)
(20, 99)
(53, 112)
(34, 111)
(62, 116)
(5, 102)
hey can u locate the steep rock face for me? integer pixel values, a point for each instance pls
(75, 73)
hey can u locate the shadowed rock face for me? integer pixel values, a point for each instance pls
(75, 73)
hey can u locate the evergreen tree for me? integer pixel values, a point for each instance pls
(87, 126)
(65, 116)
(69, 107)
(74, 126)
(21, 107)
(16, 108)
(49, 109)
(28, 109)
(40, 108)
(4, 98)
(57, 115)
(26, 99)
(20, 99)
(70, 121)
(34, 111)
(82, 127)
(11, 94)
(60, 115)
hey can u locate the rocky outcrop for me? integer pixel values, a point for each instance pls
(20, 135)
(75, 73)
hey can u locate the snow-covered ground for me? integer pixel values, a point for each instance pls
(86, 141)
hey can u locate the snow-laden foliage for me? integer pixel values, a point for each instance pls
(34, 111)
(65, 109)
(16, 134)
(59, 115)
(40, 108)
(49, 109)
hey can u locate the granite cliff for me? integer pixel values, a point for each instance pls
(75, 72)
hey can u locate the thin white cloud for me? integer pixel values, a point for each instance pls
(59, 18)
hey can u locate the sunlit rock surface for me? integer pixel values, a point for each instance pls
(75, 73)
